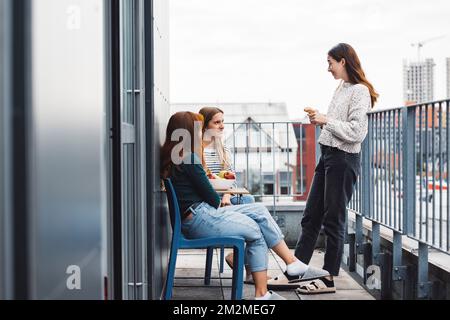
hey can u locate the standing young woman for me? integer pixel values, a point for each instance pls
(344, 128)
(217, 154)
(199, 204)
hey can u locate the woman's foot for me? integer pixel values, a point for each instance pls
(296, 268)
(299, 272)
(270, 295)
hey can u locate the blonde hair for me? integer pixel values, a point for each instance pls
(223, 155)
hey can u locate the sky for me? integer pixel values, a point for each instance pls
(276, 50)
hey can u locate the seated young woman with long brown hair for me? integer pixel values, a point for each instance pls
(200, 205)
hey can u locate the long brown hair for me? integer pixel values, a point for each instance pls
(353, 67)
(208, 113)
(181, 120)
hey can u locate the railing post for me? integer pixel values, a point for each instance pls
(368, 198)
(365, 180)
(376, 243)
(400, 272)
(351, 253)
(366, 177)
(363, 249)
(409, 170)
(386, 275)
(409, 199)
(423, 285)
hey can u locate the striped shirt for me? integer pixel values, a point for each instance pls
(213, 162)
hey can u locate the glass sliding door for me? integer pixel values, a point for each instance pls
(68, 157)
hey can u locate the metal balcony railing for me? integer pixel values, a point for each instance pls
(403, 185)
(269, 159)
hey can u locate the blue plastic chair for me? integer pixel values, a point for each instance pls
(180, 242)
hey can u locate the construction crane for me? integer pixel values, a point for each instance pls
(420, 44)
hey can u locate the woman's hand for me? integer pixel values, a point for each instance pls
(316, 118)
(319, 119)
(226, 200)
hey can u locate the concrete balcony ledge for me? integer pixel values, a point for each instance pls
(285, 206)
(435, 257)
(438, 261)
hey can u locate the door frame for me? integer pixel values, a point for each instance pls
(116, 221)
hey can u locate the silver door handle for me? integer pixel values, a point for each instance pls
(132, 284)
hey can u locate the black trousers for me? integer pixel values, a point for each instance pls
(333, 184)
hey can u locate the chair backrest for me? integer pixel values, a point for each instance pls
(174, 209)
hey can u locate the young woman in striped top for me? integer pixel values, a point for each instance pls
(216, 154)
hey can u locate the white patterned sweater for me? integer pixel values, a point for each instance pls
(347, 118)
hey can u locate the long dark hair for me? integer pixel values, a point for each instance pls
(181, 120)
(353, 67)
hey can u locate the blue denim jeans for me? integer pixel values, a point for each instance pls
(259, 213)
(253, 222)
(243, 199)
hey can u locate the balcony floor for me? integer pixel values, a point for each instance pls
(191, 264)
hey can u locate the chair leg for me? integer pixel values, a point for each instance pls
(222, 258)
(238, 273)
(209, 258)
(171, 273)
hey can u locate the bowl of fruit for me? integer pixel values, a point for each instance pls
(223, 181)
